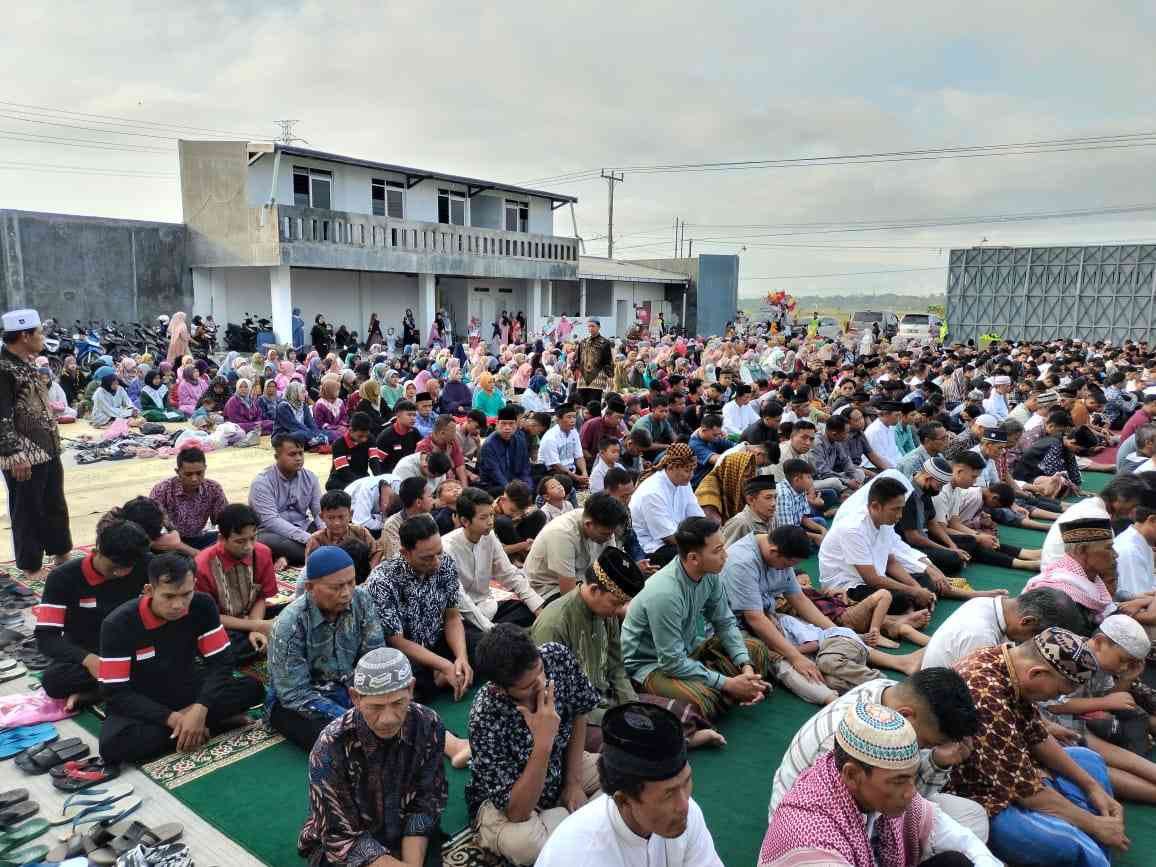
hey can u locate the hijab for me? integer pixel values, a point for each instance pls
(155, 388)
(243, 385)
(107, 381)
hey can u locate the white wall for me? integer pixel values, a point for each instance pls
(349, 297)
(352, 186)
(237, 291)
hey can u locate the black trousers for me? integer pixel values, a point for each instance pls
(663, 555)
(947, 562)
(509, 533)
(124, 739)
(297, 728)
(39, 515)
(280, 546)
(62, 679)
(425, 688)
(585, 396)
(947, 859)
(510, 611)
(1001, 556)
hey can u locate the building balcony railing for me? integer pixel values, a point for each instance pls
(384, 234)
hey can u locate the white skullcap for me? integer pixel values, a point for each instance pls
(1128, 633)
(21, 320)
(987, 420)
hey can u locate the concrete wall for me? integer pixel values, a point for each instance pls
(718, 293)
(71, 267)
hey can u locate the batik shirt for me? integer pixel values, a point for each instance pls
(1000, 769)
(501, 741)
(366, 792)
(411, 605)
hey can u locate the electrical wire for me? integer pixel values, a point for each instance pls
(83, 170)
(121, 121)
(843, 274)
(35, 138)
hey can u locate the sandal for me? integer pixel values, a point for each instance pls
(109, 814)
(170, 855)
(15, 741)
(136, 835)
(42, 759)
(22, 834)
(92, 774)
(31, 855)
(17, 813)
(83, 803)
(61, 771)
(12, 797)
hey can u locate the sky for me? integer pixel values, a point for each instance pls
(521, 91)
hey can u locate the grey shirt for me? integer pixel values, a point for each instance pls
(750, 584)
(287, 507)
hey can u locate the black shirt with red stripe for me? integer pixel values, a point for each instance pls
(148, 666)
(76, 600)
(352, 461)
(395, 444)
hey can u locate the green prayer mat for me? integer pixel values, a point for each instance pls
(254, 790)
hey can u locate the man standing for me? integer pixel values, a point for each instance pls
(416, 598)
(157, 696)
(386, 743)
(527, 732)
(287, 499)
(1048, 805)
(593, 364)
(660, 633)
(30, 450)
(858, 805)
(78, 595)
(482, 561)
(645, 809)
(190, 501)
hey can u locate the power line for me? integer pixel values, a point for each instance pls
(35, 138)
(844, 274)
(1101, 142)
(83, 170)
(123, 121)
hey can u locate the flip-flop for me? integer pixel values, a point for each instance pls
(17, 813)
(137, 834)
(13, 673)
(110, 814)
(31, 855)
(17, 589)
(21, 834)
(83, 803)
(12, 797)
(42, 759)
(92, 774)
(80, 843)
(61, 771)
(15, 741)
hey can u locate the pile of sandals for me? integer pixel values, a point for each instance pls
(121, 448)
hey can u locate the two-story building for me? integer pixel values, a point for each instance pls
(276, 227)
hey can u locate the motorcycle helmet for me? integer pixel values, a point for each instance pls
(163, 320)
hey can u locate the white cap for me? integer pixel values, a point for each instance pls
(1128, 633)
(21, 320)
(987, 420)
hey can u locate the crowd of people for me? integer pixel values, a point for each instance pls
(597, 543)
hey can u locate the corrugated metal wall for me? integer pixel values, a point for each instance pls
(1043, 293)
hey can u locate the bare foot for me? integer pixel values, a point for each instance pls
(706, 738)
(913, 635)
(457, 750)
(884, 642)
(909, 663)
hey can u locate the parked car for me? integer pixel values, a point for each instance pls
(919, 327)
(829, 328)
(888, 323)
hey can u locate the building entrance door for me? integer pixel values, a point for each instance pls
(482, 308)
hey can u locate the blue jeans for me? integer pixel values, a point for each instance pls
(1029, 837)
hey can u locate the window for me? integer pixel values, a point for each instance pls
(452, 207)
(388, 199)
(312, 188)
(517, 216)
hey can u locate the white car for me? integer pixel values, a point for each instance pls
(919, 327)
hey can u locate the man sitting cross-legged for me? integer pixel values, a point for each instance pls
(659, 635)
(759, 573)
(1047, 805)
(588, 620)
(157, 695)
(237, 574)
(858, 805)
(527, 729)
(386, 744)
(645, 810)
(315, 645)
(758, 515)
(939, 707)
(78, 596)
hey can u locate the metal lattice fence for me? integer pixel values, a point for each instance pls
(1043, 293)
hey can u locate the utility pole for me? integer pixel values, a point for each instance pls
(690, 250)
(287, 136)
(612, 177)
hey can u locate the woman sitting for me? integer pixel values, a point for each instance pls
(487, 398)
(57, 400)
(371, 403)
(242, 410)
(110, 402)
(192, 386)
(329, 411)
(293, 416)
(154, 399)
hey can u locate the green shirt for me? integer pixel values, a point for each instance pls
(664, 626)
(596, 644)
